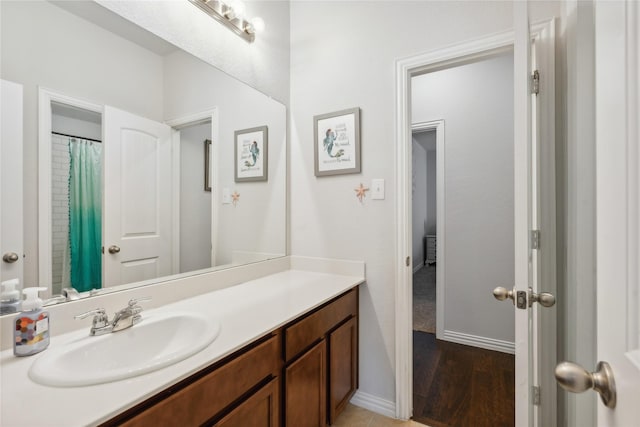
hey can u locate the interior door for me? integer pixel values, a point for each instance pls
(618, 205)
(524, 345)
(11, 226)
(138, 184)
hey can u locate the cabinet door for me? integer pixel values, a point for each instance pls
(259, 410)
(306, 389)
(343, 366)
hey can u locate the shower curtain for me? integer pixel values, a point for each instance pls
(85, 214)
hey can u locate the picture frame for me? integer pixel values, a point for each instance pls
(207, 167)
(337, 142)
(251, 153)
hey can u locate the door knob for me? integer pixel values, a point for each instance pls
(576, 379)
(10, 257)
(545, 299)
(113, 249)
(519, 298)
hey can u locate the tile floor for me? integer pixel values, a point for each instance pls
(354, 416)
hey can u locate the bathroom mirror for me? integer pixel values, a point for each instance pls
(129, 152)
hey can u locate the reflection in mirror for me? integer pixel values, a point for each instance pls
(115, 126)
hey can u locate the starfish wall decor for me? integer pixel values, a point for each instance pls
(235, 198)
(361, 192)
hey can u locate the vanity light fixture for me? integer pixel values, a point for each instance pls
(231, 14)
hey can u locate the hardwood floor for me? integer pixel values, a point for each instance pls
(459, 385)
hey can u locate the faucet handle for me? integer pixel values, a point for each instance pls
(134, 301)
(99, 321)
(94, 312)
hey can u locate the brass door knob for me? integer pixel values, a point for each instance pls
(574, 378)
(113, 249)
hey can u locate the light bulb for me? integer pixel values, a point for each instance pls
(238, 7)
(258, 24)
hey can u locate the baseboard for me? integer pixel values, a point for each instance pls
(478, 341)
(374, 404)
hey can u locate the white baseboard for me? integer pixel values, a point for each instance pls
(374, 404)
(478, 341)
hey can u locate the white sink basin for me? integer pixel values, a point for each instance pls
(158, 341)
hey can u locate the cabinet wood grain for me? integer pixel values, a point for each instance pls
(259, 410)
(306, 389)
(343, 366)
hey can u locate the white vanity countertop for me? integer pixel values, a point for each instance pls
(246, 312)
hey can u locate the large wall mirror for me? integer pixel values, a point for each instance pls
(133, 151)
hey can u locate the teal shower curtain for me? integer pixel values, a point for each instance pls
(85, 214)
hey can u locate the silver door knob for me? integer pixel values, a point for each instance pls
(113, 249)
(545, 299)
(502, 294)
(519, 298)
(576, 379)
(10, 257)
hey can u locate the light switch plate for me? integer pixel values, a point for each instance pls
(377, 189)
(226, 196)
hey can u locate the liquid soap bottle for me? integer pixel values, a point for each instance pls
(32, 325)
(10, 297)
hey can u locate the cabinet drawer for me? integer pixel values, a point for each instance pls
(259, 410)
(304, 333)
(198, 402)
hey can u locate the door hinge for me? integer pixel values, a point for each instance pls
(535, 395)
(535, 239)
(408, 261)
(535, 82)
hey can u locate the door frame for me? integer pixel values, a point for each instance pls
(211, 115)
(406, 68)
(438, 127)
(45, 98)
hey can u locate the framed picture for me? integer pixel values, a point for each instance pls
(337, 142)
(207, 167)
(251, 154)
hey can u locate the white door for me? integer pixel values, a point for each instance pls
(11, 230)
(534, 222)
(618, 205)
(137, 214)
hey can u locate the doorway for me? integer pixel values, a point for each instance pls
(471, 350)
(541, 328)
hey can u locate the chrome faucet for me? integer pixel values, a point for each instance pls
(123, 319)
(128, 316)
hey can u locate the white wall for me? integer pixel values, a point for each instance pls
(195, 202)
(263, 64)
(43, 45)
(347, 67)
(476, 102)
(419, 203)
(258, 222)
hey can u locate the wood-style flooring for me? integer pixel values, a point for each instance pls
(459, 385)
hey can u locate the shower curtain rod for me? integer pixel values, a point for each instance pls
(75, 136)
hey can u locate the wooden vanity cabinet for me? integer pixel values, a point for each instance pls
(321, 363)
(300, 375)
(211, 393)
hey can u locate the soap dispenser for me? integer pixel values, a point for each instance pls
(32, 325)
(10, 299)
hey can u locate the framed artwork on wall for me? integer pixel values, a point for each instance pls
(251, 153)
(337, 142)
